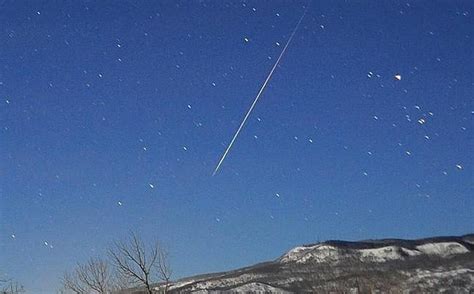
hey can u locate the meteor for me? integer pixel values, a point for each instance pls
(262, 88)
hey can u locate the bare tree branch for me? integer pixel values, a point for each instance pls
(12, 287)
(164, 266)
(142, 264)
(94, 276)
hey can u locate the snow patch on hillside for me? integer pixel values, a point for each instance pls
(386, 253)
(381, 254)
(318, 253)
(220, 283)
(410, 252)
(442, 249)
(179, 284)
(257, 288)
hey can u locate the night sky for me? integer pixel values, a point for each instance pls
(114, 114)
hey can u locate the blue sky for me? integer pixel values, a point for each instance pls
(114, 115)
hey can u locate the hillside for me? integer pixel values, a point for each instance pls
(441, 264)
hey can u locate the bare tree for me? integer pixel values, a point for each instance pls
(11, 287)
(139, 263)
(94, 276)
(71, 283)
(164, 267)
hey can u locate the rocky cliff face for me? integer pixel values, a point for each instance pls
(442, 264)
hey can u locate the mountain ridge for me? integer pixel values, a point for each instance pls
(433, 264)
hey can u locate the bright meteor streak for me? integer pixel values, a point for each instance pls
(262, 88)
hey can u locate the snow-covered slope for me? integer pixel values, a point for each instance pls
(369, 252)
(254, 287)
(389, 265)
(442, 249)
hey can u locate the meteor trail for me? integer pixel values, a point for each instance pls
(262, 88)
